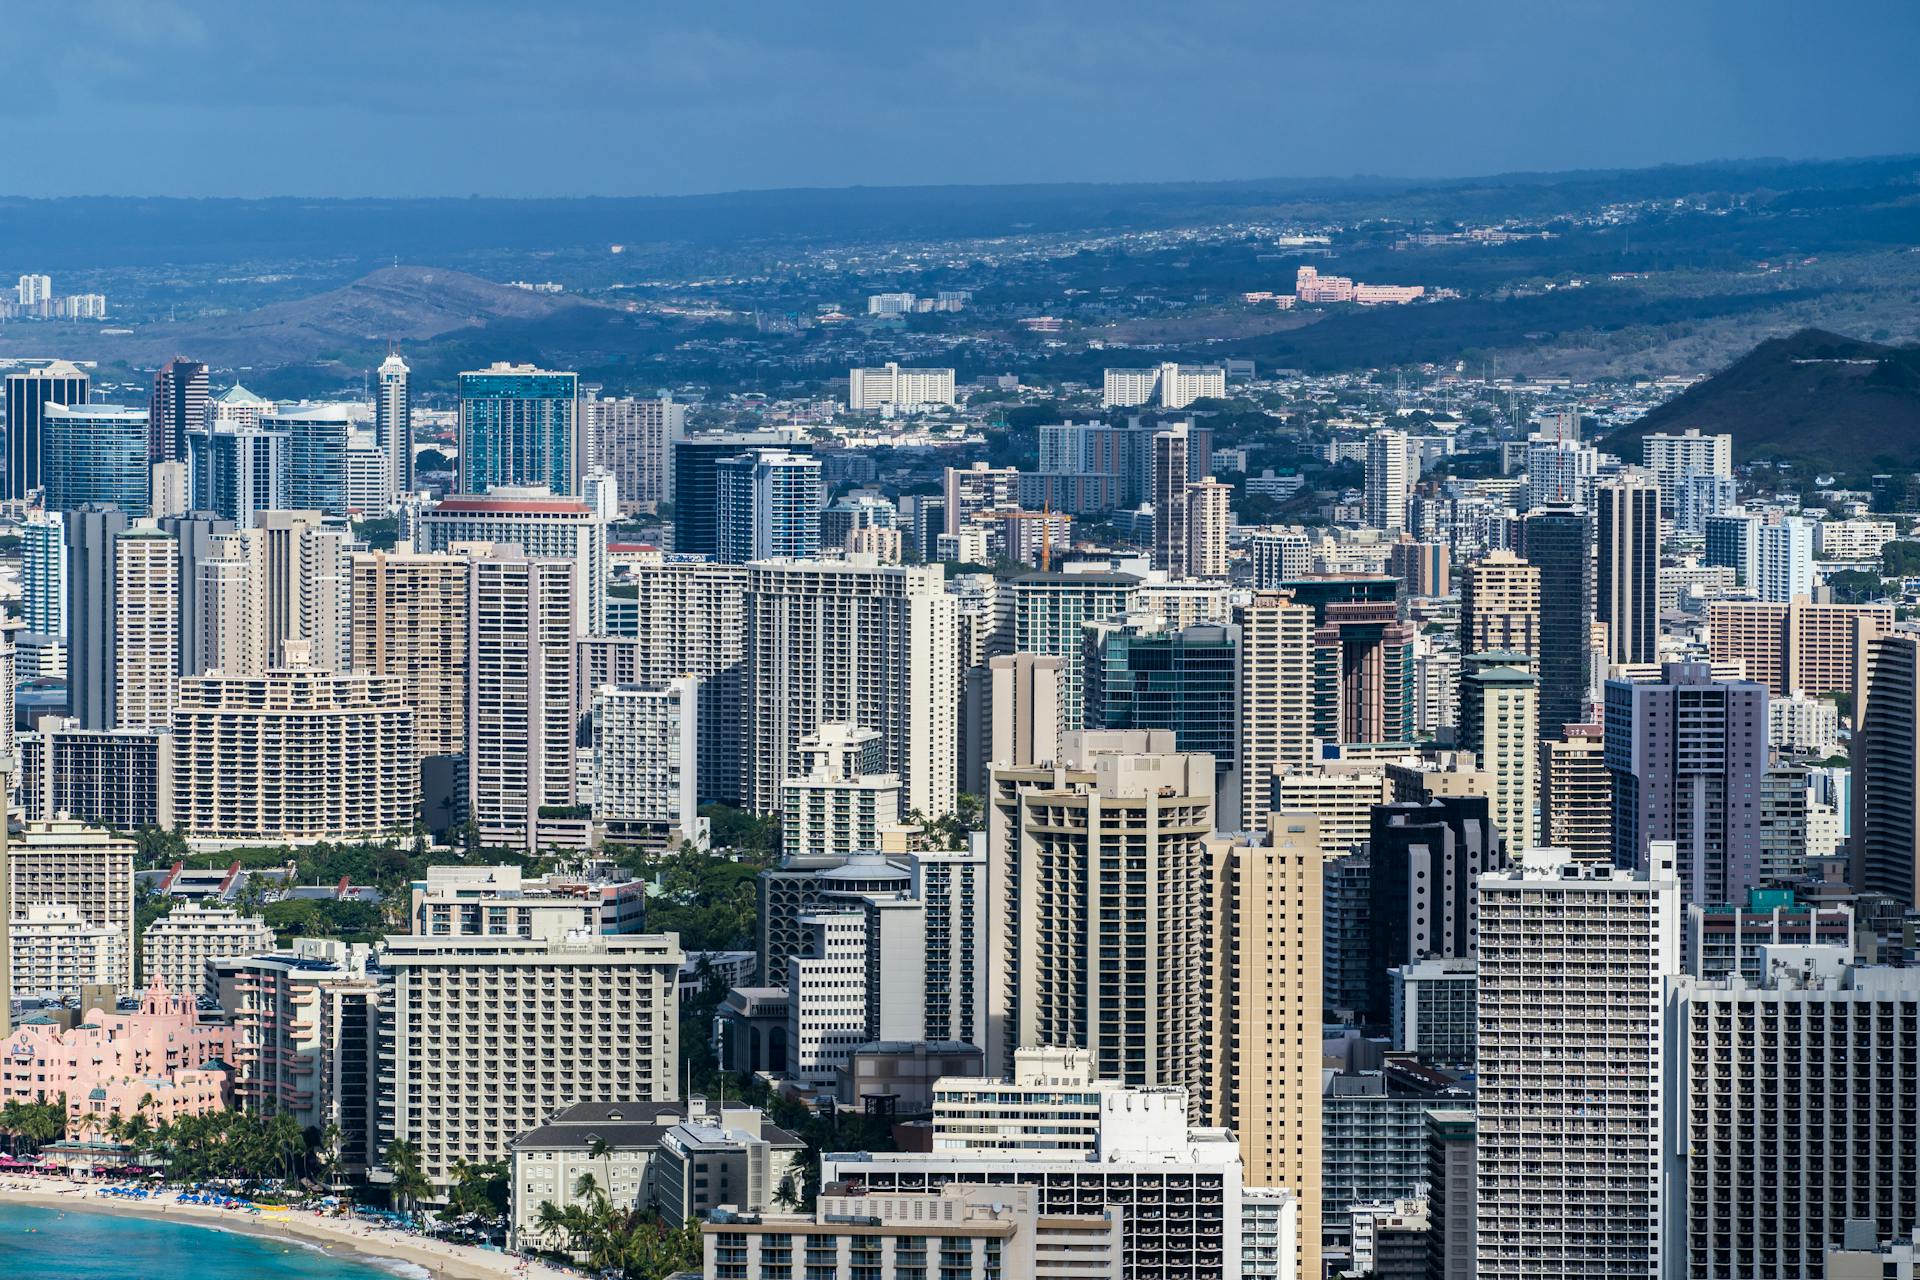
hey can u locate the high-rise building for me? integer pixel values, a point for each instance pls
(1425, 569)
(970, 491)
(241, 469)
(1105, 894)
(146, 628)
(689, 620)
(1023, 710)
(1209, 517)
(842, 797)
(393, 421)
(1500, 605)
(541, 1021)
(62, 862)
(1798, 646)
(177, 408)
(1687, 753)
(1363, 658)
(319, 438)
(294, 755)
(1279, 556)
(1500, 724)
(767, 506)
(1391, 473)
(891, 386)
(646, 758)
(1558, 541)
(1799, 1086)
(951, 886)
(1627, 581)
(696, 526)
(1560, 471)
(519, 426)
(1885, 797)
(194, 535)
(1276, 696)
(1050, 611)
(522, 707)
(1576, 794)
(1170, 541)
(94, 453)
(1674, 459)
(1175, 386)
(117, 778)
(43, 574)
(93, 531)
(410, 624)
(1451, 1211)
(1424, 860)
(307, 1042)
(1140, 676)
(1701, 497)
(851, 642)
(28, 392)
(542, 526)
(177, 950)
(1783, 559)
(1434, 1010)
(1271, 1013)
(1574, 966)
(633, 438)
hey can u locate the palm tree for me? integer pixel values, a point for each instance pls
(587, 1187)
(598, 1148)
(329, 1157)
(409, 1180)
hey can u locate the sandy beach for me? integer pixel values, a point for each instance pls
(441, 1260)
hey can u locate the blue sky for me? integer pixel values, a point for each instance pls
(430, 97)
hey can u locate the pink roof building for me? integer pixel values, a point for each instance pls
(112, 1062)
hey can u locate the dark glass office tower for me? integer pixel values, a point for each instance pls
(28, 392)
(696, 508)
(1558, 540)
(1187, 681)
(1425, 861)
(178, 408)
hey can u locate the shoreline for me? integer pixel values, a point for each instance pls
(340, 1237)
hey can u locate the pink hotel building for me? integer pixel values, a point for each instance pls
(112, 1061)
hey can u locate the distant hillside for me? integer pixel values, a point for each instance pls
(1814, 398)
(399, 304)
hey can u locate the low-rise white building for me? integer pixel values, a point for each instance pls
(842, 799)
(956, 1232)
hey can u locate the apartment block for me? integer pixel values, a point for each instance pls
(177, 949)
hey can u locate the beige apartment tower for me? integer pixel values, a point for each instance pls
(521, 697)
(1104, 884)
(1209, 515)
(1797, 647)
(1271, 1009)
(410, 623)
(1024, 717)
(1276, 696)
(1500, 605)
(66, 863)
(1500, 724)
(146, 627)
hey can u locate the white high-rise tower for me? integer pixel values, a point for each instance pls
(393, 421)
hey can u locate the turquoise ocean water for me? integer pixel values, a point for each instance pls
(98, 1246)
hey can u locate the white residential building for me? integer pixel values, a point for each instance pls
(177, 949)
(843, 796)
(542, 526)
(1800, 723)
(56, 951)
(858, 642)
(1672, 458)
(646, 756)
(1391, 473)
(1574, 965)
(1175, 386)
(1782, 559)
(487, 1037)
(1852, 539)
(61, 862)
(891, 385)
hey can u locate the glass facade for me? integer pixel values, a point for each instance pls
(95, 453)
(517, 428)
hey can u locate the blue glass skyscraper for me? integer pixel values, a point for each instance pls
(519, 426)
(767, 506)
(94, 453)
